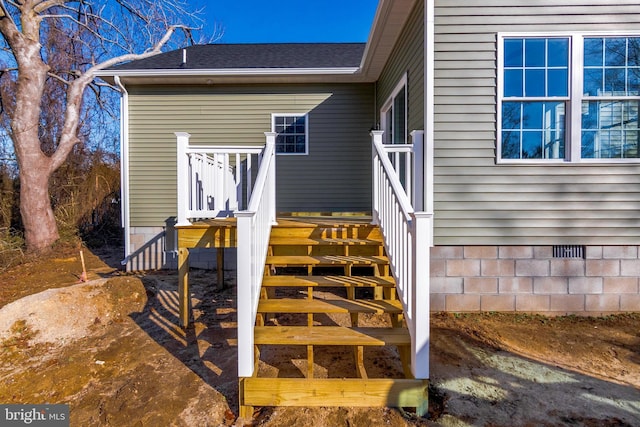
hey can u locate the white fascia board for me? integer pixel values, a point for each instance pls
(232, 72)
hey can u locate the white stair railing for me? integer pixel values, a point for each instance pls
(212, 180)
(254, 229)
(407, 239)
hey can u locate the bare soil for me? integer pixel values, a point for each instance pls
(112, 350)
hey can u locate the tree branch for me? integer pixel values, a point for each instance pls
(136, 56)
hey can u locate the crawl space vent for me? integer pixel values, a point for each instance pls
(568, 251)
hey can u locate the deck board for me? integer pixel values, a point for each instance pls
(329, 306)
(330, 335)
(326, 260)
(328, 281)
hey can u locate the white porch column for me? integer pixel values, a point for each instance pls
(376, 138)
(271, 143)
(182, 170)
(418, 196)
(420, 295)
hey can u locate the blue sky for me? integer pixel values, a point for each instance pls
(277, 21)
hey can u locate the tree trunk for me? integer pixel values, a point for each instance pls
(41, 230)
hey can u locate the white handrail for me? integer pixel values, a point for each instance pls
(407, 237)
(254, 229)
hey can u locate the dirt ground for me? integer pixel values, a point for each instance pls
(111, 349)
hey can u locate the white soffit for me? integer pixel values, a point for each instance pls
(389, 20)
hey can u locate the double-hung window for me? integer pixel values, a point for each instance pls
(292, 133)
(568, 98)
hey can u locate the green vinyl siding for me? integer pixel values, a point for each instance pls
(335, 176)
(480, 202)
(407, 58)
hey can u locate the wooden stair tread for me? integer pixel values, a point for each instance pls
(328, 281)
(326, 260)
(330, 335)
(309, 241)
(334, 392)
(287, 305)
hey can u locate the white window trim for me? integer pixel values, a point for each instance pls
(306, 131)
(402, 84)
(573, 125)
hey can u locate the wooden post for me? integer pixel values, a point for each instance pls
(182, 170)
(184, 296)
(220, 267)
(246, 411)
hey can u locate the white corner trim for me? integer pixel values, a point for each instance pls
(429, 104)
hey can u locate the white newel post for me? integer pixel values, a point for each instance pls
(245, 318)
(245, 283)
(271, 142)
(376, 138)
(417, 138)
(420, 295)
(182, 170)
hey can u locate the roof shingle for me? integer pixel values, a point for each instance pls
(254, 56)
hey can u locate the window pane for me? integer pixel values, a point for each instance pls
(534, 83)
(513, 83)
(534, 52)
(399, 119)
(589, 115)
(532, 145)
(558, 82)
(532, 115)
(614, 81)
(513, 53)
(588, 144)
(631, 145)
(615, 51)
(510, 145)
(511, 117)
(554, 123)
(593, 54)
(558, 53)
(593, 81)
(633, 59)
(633, 82)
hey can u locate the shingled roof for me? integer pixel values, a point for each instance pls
(254, 56)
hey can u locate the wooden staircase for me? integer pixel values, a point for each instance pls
(327, 285)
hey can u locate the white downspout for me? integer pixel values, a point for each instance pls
(124, 168)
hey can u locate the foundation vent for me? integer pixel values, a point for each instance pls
(568, 251)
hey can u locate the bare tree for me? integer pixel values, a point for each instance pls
(98, 35)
